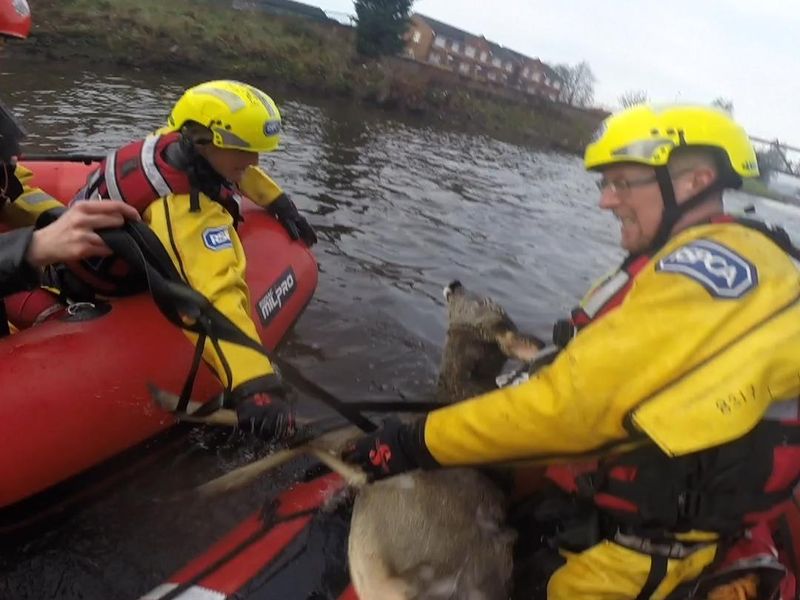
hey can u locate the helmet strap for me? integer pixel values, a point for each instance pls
(674, 211)
(201, 174)
(670, 214)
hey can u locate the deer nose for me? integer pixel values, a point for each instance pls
(451, 287)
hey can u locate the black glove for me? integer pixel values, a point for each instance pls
(268, 416)
(293, 222)
(395, 448)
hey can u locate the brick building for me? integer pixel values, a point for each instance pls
(436, 43)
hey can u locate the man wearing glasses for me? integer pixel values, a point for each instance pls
(679, 371)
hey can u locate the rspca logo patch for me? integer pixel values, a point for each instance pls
(278, 293)
(217, 238)
(720, 270)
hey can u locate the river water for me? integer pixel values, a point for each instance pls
(400, 209)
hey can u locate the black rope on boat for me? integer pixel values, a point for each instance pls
(177, 301)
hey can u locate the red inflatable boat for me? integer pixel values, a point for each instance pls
(74, 393)
(290, 550)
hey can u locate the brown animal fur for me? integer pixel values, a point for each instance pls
(481, 337)
(441, 535)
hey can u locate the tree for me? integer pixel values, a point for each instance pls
(577, 83)
(632, 98)
(723, 103)
(771, 160)
(381, 25)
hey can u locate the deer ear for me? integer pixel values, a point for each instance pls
(519, 345)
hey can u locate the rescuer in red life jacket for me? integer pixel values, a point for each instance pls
(185, 181)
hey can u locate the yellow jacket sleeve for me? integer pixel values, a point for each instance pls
(259, 187)
(657, 365)
(208, 254)
(33, 202)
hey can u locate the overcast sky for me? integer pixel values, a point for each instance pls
(688, 50)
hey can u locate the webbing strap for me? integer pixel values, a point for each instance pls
(658, 570)
(4, 329)
(188, 385)
(190, 310)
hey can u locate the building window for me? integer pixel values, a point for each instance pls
(492, 76)
(464, 68)
(557, 85)
(496, 62)
(455, 47)
(525, 72)
(434, 58)
(509, 67)
(439, 42)
(484, 56)
(470, 51)
(417, 36)
(537, 76)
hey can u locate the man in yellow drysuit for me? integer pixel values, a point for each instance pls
(682, 373)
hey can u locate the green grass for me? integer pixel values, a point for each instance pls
(197, 34)
(209, 36)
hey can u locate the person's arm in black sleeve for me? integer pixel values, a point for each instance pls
(15, 272)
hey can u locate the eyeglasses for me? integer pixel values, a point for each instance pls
(623, 186)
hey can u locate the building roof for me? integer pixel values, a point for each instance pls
(296, 8)
(444, 29)
(501, 52)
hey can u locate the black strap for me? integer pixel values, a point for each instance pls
(674, 211)
(188, 309)
(786, 543)
(4, 329)
(396, 406)
(194, 200)
(349, 412)
(658, 570)
(182, 305)
(188, 385)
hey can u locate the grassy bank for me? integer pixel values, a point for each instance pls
(208, 36)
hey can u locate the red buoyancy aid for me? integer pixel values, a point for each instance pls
(137, 174)
(722, 489)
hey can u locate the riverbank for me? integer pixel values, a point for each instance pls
(212, 39)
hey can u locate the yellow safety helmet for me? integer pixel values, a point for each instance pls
(648, 135)
(239, 116)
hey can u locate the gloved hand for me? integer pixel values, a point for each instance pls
(393, 449)
(268, 416)
(296, 224)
